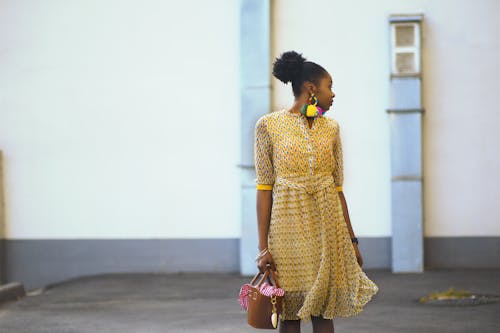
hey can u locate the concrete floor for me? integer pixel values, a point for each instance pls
(203, 302)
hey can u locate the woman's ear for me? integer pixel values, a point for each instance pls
(309, 87)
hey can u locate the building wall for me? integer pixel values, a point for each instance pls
(113, 115)
(118, 126)
(461, 48)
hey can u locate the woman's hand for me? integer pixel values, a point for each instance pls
(358, 254)
(266, 260)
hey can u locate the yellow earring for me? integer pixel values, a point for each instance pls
(311, 109)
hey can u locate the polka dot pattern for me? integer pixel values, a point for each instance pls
(308, 236)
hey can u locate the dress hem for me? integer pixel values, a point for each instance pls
(366, 297)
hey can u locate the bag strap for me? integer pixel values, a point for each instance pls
(255, 277)
(266, 275)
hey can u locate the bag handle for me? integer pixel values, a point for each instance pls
(255, 277)
(266, 275)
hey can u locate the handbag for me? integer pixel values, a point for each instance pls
(263, 302)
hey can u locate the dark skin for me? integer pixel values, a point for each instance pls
(325, 95)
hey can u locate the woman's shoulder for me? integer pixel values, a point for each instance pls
(270, 117)
(274, 113)
(332, 122)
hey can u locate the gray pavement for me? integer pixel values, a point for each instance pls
(207, 302)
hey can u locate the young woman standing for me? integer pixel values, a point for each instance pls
(305, 234)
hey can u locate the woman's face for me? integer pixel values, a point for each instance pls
(324, 92)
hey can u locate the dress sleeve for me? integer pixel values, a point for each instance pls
(338, 172)
(263, 157)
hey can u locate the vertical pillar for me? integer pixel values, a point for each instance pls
(405, 117)
(255, 55)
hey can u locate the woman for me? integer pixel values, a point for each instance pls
(305, 234)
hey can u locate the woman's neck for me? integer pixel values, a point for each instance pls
(299, 102)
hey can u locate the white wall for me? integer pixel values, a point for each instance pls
(92, 148)
(461, 48)
(462, 137)
(120, 119)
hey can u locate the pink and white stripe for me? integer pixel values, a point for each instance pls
(265, 289)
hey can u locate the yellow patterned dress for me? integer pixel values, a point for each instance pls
(308, 237)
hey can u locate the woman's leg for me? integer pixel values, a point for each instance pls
(321, 325)
(290, 326)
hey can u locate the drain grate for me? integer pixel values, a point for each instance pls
(458, 297)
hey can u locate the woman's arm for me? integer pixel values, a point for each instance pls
(264, 168)
(349, 226)
(264, 205)
(338, 174)
(346, 213)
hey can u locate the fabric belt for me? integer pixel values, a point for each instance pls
(313, 185)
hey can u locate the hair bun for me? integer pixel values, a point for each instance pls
(288, 66)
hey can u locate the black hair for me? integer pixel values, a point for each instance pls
(293, 67)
